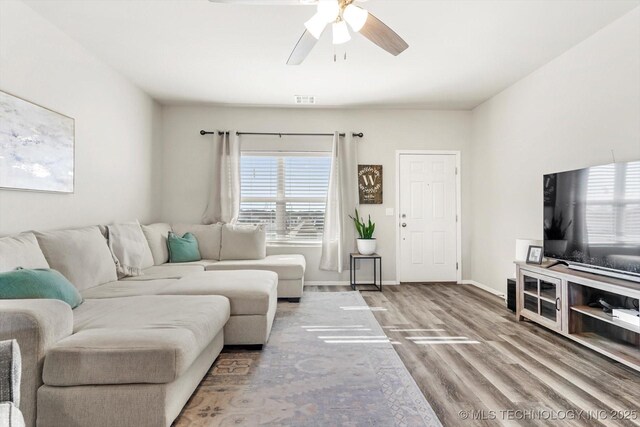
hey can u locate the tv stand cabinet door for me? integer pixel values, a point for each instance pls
(540, 298)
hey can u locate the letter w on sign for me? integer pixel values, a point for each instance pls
(368, 179)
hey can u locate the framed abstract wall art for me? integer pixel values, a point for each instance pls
(37, 147)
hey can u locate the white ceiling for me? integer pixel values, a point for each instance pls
(461, 52)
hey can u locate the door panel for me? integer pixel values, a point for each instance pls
(417, 249)
(428, 239)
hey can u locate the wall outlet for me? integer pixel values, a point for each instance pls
(389, 211)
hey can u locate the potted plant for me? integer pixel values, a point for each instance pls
(366, 241)
(555, 235)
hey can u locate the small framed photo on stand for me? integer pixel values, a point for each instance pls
(534, 255)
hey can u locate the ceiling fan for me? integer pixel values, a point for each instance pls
(339, 13)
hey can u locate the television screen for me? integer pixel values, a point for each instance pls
(592, 216)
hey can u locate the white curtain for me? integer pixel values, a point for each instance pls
(338, 239)
(224, 197)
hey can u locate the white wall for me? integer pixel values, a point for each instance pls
(116, 125)
(186, 157)
(568, 114)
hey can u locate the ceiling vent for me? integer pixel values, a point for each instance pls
(305, 100)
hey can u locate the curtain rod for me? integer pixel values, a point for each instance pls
(204, 132)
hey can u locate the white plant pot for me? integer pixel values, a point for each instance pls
(367, 246)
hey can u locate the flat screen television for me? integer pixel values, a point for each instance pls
(592, 219)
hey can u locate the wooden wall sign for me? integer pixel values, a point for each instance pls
(370, 184)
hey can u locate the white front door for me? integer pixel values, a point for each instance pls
(428, 223)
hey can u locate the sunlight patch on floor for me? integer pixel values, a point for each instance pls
(334, 326)
(336, 337)
(436, 338)
(445, 342)
(361, 308)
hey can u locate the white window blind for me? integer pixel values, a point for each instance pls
(613, 204)
(286, 192)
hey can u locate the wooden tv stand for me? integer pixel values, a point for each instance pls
(558, 298)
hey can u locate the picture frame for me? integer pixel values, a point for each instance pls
(370, 184)
(535, 255)
(37, 147)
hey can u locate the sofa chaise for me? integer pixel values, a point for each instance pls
(228, 248)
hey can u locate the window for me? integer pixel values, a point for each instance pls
(286, 192)
(613, 204)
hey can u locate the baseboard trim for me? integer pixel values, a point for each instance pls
(395, 283)
(483, 287)
(343, 283)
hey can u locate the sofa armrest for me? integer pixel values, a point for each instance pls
(37, 325)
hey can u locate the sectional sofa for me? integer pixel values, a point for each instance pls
(135, 350)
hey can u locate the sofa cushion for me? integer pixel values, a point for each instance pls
(209, 237)
(41, 283)
(286, 266)
(21, 251)
(135, 340)
(81, 255)
(166, 271)
(156, 235)
(249, 292)
(127, 288)
(241, 242)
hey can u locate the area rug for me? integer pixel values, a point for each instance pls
(327, 363)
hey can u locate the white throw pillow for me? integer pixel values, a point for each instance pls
(156, 235)
(209, 238)
(127, 242)
(81, 255)
(241, 242)
(21, 251)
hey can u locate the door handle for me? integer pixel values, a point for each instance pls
(557, 304)
(404, 224)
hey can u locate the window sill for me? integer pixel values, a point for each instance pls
(294, 244)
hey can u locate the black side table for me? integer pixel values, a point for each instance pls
(377, 272)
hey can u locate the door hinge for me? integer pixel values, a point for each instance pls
(456, 171)
(457, 266)
(456, 217)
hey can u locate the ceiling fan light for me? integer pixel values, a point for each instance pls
(316, 25)
(340, 33)
(329, 10)
(355, 16)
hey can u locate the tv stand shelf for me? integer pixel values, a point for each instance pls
(558, 298)
(601, 315)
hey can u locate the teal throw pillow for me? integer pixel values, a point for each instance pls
(38, 284)
(183, 249)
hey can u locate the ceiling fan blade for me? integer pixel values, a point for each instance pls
(379, 33)
(267, 2)
(305, 45)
